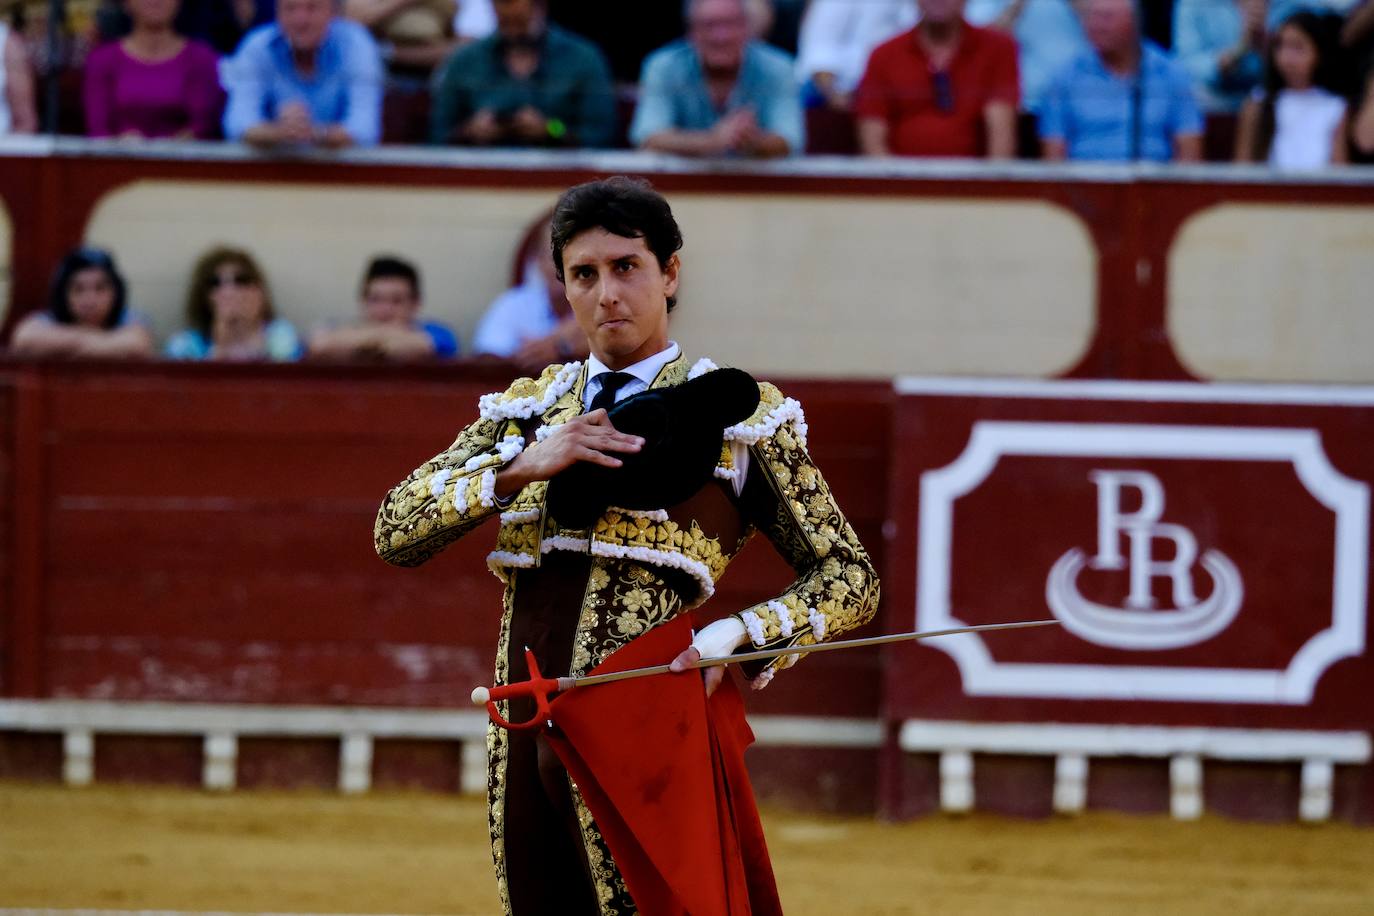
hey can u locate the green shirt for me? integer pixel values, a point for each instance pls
(571, 86)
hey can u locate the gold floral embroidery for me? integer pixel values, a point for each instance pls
(414, 523)
(625, 595)
(599, 578)
(627, 623)
(613, 897)
(635, 600)
(497, 752)
(836, 579)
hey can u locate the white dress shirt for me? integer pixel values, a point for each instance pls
(644, 372)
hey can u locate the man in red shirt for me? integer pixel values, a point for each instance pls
(945, 88)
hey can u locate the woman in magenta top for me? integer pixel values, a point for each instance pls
(154, 82)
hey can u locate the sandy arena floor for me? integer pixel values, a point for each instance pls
(156, 849)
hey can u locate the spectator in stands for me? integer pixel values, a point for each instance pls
(415, 35)
(1362, 125)
(18, 110)
(837, 36)
(1357, 38)
(719, 92)
(309, 79)
(154, 82)
(532, 324)
(57, 50)
(945, 88)
(391, 329)
(1048, 36)
(1221, 43)
(1298, 121)
(87, 315)
(1124, 100)
(530, 83)
(230, 312)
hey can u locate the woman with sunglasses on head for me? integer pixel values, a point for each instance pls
(230, 312)
(87, 315)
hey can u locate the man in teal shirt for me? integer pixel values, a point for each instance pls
(530, 83)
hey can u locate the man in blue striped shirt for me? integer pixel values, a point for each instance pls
(1125, 100)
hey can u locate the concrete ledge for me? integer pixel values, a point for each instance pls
(1186, 749)
(81, 722)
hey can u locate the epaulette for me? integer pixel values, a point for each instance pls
(773, 411)
(529, 396)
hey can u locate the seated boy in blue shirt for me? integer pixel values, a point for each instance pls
(391, 329)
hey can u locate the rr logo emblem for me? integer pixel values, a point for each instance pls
(1139, 625)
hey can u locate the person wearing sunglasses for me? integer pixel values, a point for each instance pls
(87, 315)
(229, 308)
(945, 88)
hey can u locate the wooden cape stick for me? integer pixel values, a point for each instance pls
(481, 694)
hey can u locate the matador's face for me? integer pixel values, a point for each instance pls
(619, 294)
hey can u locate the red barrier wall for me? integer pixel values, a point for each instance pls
(204, 533)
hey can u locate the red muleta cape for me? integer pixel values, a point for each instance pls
(661, 767)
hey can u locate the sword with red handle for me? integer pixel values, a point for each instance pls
(539, 687)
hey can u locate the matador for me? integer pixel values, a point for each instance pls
(576, 595)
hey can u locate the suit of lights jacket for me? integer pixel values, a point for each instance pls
(576, 596)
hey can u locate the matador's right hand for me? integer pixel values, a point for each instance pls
(589, 437)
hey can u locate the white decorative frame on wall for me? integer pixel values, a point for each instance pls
(983, 675)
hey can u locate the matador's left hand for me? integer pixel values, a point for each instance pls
(716, 640)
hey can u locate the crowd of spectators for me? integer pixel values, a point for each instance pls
(230, 316)
(1059, 79)
(1075, 79)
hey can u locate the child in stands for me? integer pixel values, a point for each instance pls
(1298, 120)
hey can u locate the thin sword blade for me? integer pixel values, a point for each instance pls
(566, 683)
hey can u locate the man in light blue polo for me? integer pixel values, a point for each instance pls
(1124, 101)
(719, 93)
(309, 79)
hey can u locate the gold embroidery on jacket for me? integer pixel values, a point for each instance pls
(624, 597)
(497, 752)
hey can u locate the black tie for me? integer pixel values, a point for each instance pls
(611, 383)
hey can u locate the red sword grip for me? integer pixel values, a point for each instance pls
(538, 687)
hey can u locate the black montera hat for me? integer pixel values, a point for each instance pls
(682, 428)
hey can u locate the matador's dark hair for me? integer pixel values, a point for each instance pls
(627, 207)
